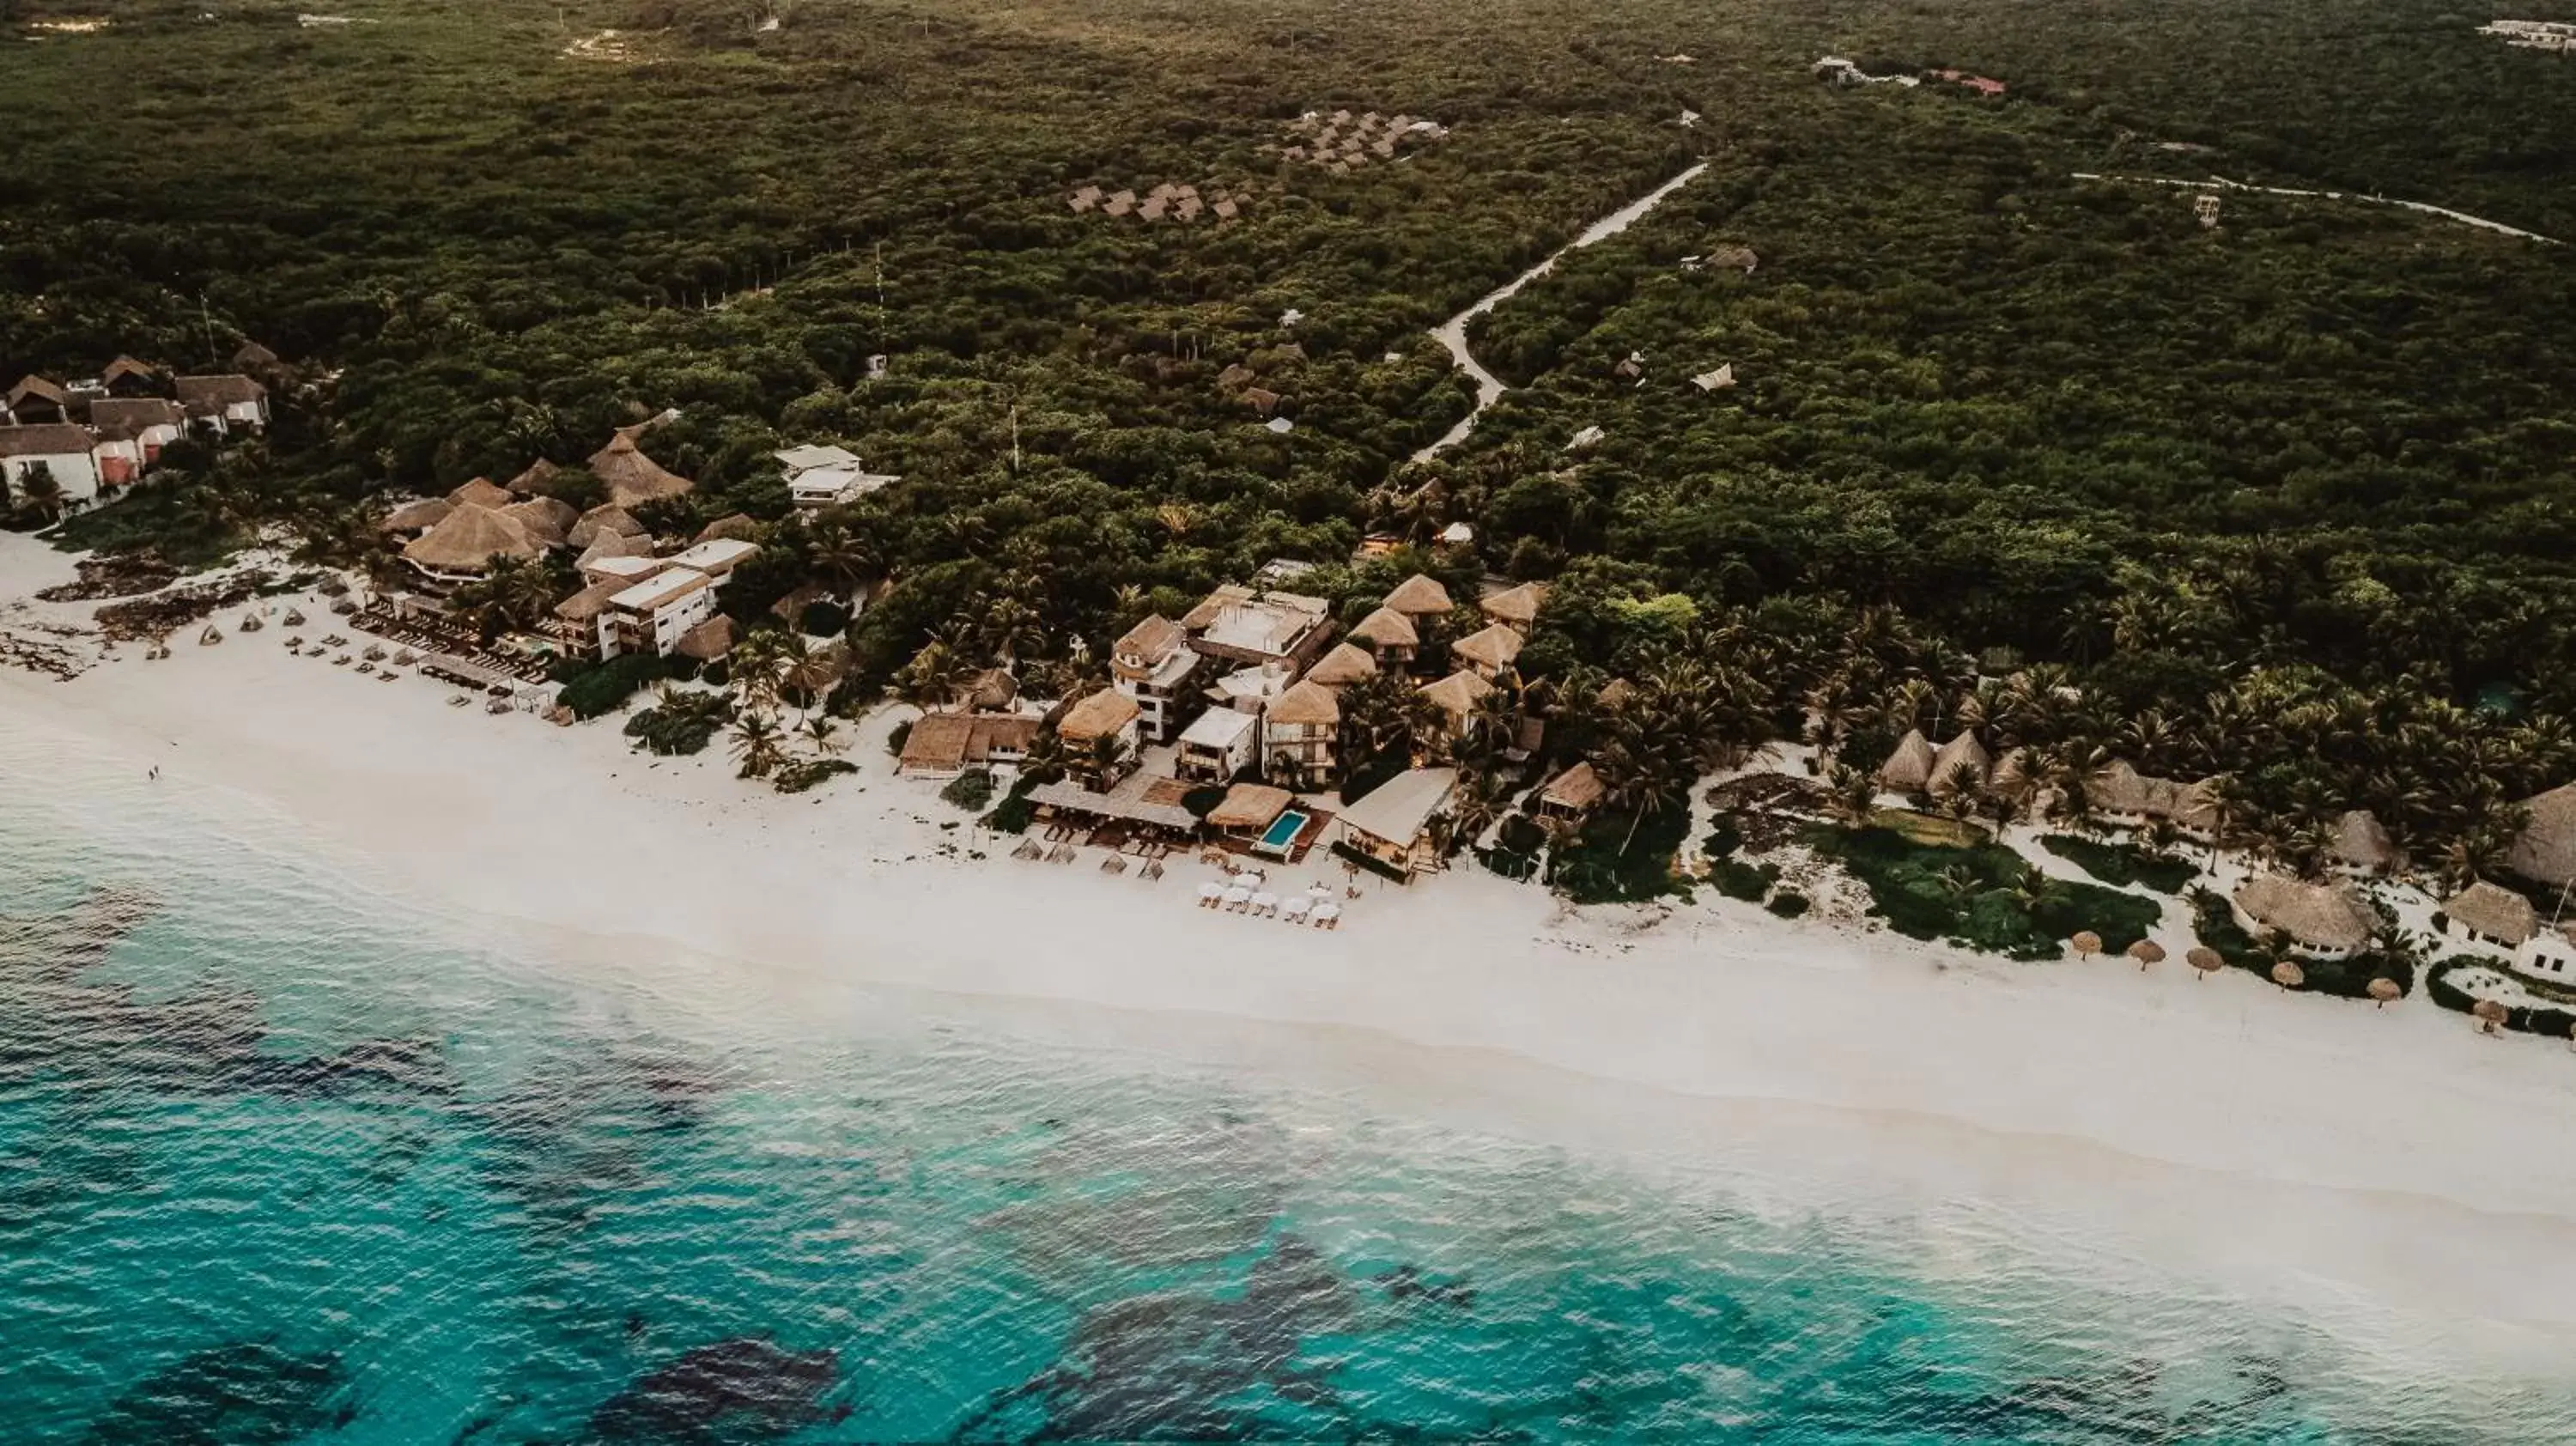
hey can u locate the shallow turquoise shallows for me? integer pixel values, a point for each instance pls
(283, 1161)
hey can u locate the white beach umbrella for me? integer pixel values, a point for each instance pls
(1264, 902)
(1296, 906)
(1211, 890)
(1238, 895)
(1326, 913)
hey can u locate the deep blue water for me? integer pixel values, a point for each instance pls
(284, 1161)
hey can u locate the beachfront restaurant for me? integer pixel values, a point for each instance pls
(1393, 824)
(1263, 820)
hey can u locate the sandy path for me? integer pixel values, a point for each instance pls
(1452, 334)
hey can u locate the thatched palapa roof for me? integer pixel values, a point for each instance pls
(481, 493)
(2120, 788)
(546, 519)
(2545, 851)
(708, 641)
(1517, 606)
(1152, 639)
(1343, 666)
(1459, 693)
(468, 539)
(1306, 703)
(538, 473)
(607, 517)
(2011, 778)
(1577, 788)
(1419, 596)
(1909, 768)
(2497, 912)
(632, 477)
(2361, 843)
(736, 526)
(1387, 628)
(2319, 916)
(1962, 759)
(419, 516)
(1492, 647)
(1097, 716)
(587, 604)
(1250, 805)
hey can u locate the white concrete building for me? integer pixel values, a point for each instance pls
(63, 450)
(1219, 745)
(650, 616)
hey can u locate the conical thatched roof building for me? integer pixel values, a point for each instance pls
(1962, 762)
(2323, 919)
(2360, 843)
(1386, 628)
(1516, 607)
(464, 544)
(1343, 666)
(2545, 852)
(607, 517)
(481, 493)
(1458, 694)
(547, 520)
(1307, 703)
(1909, 768)
(631, 477)
(2011, 779)
(539, 473)
(1419, 596)
(737, 526)
(1490, 650)
(708, 641)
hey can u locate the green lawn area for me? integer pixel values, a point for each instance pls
(1928, 829)
(2121, 863)
(1982, 896)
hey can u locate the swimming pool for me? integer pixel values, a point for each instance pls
(1282, 832)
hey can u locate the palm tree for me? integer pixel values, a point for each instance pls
(840, 556)
(825, 734)
(1855, 795)
(756, 744)
(44, 490)
(754, 664)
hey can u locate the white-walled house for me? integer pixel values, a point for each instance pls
(130, 433)
(61, 449)
(1220, 744)
(225, 402)
(651, 616)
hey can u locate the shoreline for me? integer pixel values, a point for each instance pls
(2324, 1149)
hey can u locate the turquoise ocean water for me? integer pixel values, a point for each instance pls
(283, 1159)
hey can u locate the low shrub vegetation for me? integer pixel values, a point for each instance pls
(2123, 863)
(1982, 897)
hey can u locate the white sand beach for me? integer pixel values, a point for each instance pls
(2311, 1148)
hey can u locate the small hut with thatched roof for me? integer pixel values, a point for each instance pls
(1489, 650)
(461, 547)
(1419, 596)
(2123, 795)
(2011, 780)
(2360, 845)
(481, 493)
(606, 517)
(1391, 635)
(1909, 768)
(708, 641)
(1962, 765)
(1301, 734)
(2323, 921)
(1105, 714)
(2492, 915)
(1457, 696)
(418, 516)
(538, 474)
(547, 520)
(631, 477)
(2545, 851)
(1343, 666)
(736, 526)
(576, 619)
(1515, 607)
(1573, 794)
(1249, 809)
(612, 544)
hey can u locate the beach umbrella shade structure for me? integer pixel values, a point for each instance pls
(2289, 975)
(2204, 959)
(1263, 903)
(1114, 864)
(1237, 897)
(211, 636)
(1328, 916)
(2087, 943)
(293, 619)
(1295, 908)
(1211, 894)
(250, 623)
(2384, 989)
(2490, 1015)
(2147, 952)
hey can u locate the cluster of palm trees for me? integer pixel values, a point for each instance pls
(771, 671)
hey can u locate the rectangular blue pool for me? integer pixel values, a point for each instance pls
(1282, 832)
